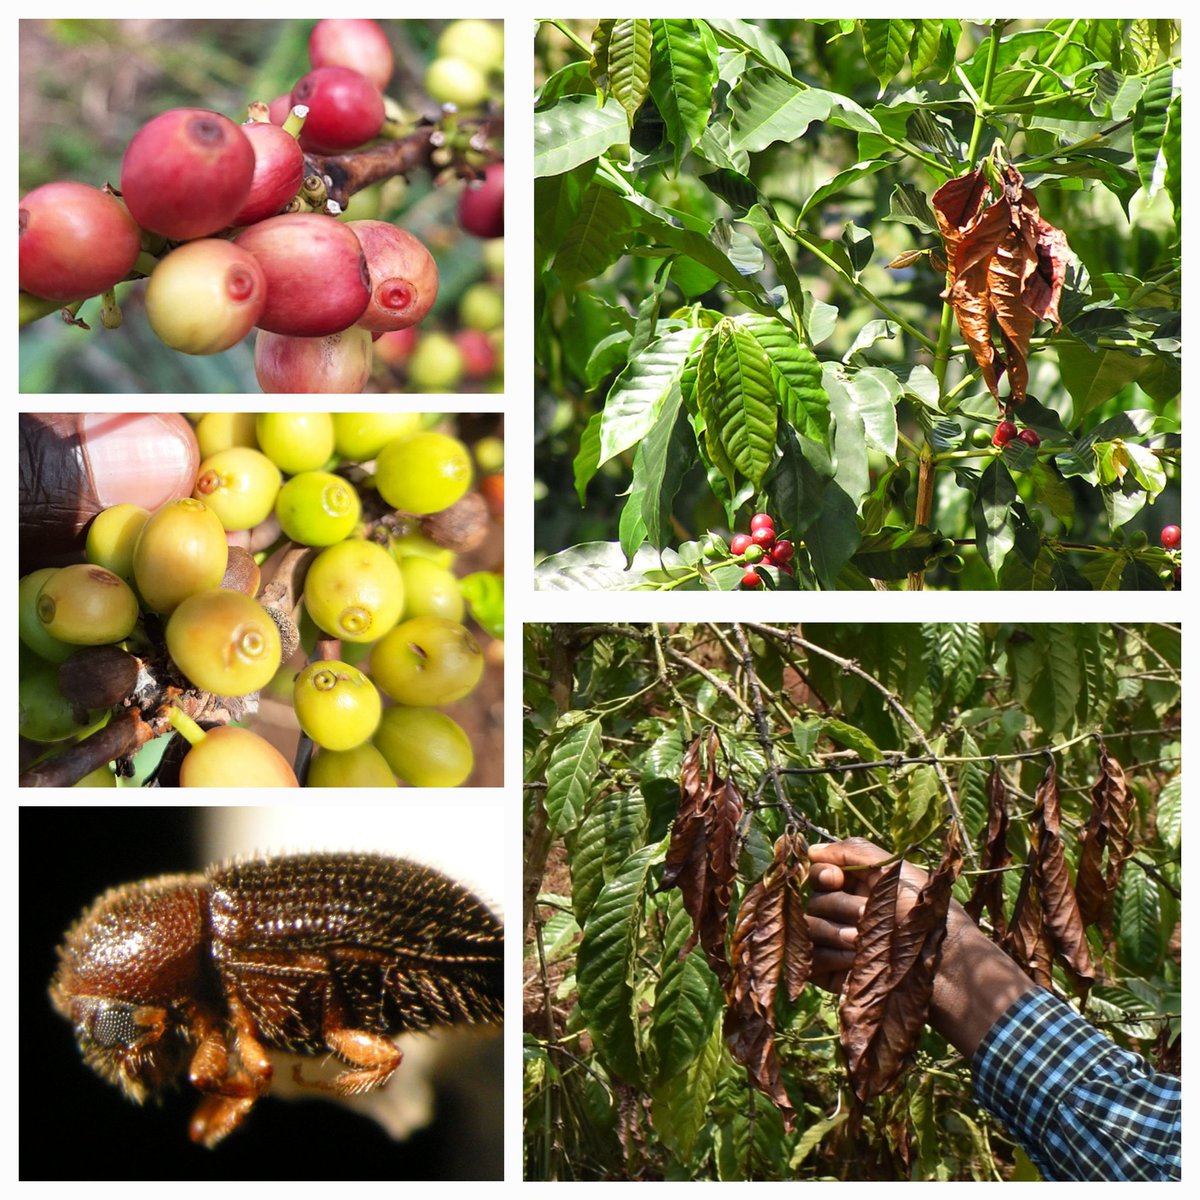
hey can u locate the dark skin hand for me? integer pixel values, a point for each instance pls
(976, 981)
(75, 464)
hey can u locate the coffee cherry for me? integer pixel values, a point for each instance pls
(981, 436)
(479, 357)
(1138, 540)
(763, 536)
(482, 307)
(751, 579)
(481, 206)
(336, 704)
(278, 171)
(112, 536)
(362, 767)
(425, 473)
(239, 485)
(219, 431)
(430, 590)
(360, 436)
(1005, 432)
(395, 349)
(954, 563)
(352, 42)
(404, 277)
(1171, 536)
(205, 296)
(754, 553)
(236, 758)
(180, 551)
(353, 591)
(337, 363)
(224, 642)
(1030, 438)
(424, 747)
(454, 81)
(44, 714)
(87, 605)
(187, 173)
(316, 508)
(32, 632)
(345, 109)
(75, 241)
(296, 442)
(782, 552)
(316, 273)
(428, 660)
(762, 520)
(739, 544)
(480, 43)
(436, 364)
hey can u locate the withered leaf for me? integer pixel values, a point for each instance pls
(1046, 921)
(989, 887)
(1107, 827)
(702, 854)
(889, 988)
(770, 945)
(1006, 264)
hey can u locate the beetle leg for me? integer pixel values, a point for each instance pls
(376, 1056)
(232, 1092)
(216, 1117)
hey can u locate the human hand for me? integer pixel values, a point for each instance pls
(976, 981)
(75, 464)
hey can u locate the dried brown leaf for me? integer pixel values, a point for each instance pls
(770, 945)
(989, 886)
(889, 988)
(1107, 827)
(1006, 265)
(1060, 909)
(702, 854)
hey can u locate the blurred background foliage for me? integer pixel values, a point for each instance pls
(87, 86)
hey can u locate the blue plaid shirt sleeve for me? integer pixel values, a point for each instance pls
(1082, 1107)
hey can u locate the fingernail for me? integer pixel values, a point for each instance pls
(848, 933)
(140, 458)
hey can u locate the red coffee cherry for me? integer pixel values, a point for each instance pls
(396, 348)
(205, 296)
(1171, 536)
(1030, 438)
(478, 353)
(76, 241)
(352, 42)
(762, 520)
(481, 206)
(317, 281)
(278, 171)
(739, 544)
(340, 362)
(404, 277)
(782, 552)
(751, 579)
(1005, 432)
(345, 109)
(187, 173)
(764, 536)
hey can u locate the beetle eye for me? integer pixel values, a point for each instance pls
(113, 1025)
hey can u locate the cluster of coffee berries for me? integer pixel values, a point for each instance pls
(1007, 430)
(313, 563)
(762, 545)
(235, 228)
(468, 53)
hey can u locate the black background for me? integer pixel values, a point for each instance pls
(76, 1126)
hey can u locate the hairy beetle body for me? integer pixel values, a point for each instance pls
(201, 975)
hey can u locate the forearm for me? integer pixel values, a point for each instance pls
(975, 985)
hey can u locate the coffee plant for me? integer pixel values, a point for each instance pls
(912, 287)
(675, 776)
(333, 184)
(305, 617)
